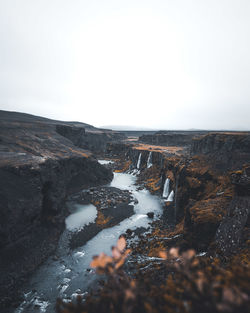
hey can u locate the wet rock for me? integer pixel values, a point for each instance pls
(129, 232)
(150, 214)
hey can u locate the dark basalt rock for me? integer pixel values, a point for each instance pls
(150, 214)
(90, 139)
(170, 138)
(241, 180)
(38, 169)
(230, 231)
(225, 150)
(229, 234)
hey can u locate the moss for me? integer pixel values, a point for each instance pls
(123, 167)
(101, 220)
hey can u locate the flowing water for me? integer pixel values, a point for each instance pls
(149, 160)
(70, 274)
(83, 215)
(139, 162)
(166, 188)
(171, 196)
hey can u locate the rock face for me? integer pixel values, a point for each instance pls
(38, 169)
(170, 138)
(228, 150)
(231, 230)
(90, 139)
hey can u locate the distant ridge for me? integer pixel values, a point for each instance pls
(27, 118)
(127, 128)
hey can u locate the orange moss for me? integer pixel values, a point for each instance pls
(101, 220)
(194, 182)
(124, 167)
(84, 154)
(151, 184)
(242, 257)
(209, 211)
(161, 149)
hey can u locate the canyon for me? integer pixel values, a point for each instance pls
(201, 181)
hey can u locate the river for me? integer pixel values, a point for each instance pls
(69, 274)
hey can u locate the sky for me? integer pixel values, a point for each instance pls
(160, 64)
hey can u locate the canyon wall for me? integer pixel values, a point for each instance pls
(210, 186)
(170, 138)
(225, 150)
(39, 168)
(89, 139)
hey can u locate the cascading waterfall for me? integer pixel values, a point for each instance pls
(149, 161)
(139, 162)
(166, 188)
(171, 196)
(175, 200)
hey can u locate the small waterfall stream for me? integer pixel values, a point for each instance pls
(166, 188)
(171, 196)
(149, 161)
(139, 162)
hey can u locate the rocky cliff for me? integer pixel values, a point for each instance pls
(38, 169)
(227, 150)
(90, 139)
(211, 199)
(170, 138)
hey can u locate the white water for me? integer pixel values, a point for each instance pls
(139, 162)
(83, 215)
(171, 196)
(149, 161)
(63, 277)
(104, 162)
(166, 188)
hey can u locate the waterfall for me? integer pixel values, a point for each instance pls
(149, 161)
(175, 200)
(171, 196)
(166, 188)
(139, 162)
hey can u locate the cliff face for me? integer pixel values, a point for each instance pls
(38, 169)
(227, 150)
(211, 199)
(235, 227)
(93, 140)
(170, 138)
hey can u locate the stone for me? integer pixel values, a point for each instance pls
(150, 214)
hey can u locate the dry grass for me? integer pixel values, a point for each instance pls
(162, 149)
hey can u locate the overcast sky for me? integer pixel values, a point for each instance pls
(164, 64)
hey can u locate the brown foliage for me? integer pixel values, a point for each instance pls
(181, 282)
